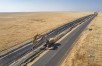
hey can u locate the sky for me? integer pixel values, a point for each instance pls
(49, 5)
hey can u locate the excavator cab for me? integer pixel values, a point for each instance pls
(49, 42)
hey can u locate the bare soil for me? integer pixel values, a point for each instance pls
(88, 49)
(16, 28)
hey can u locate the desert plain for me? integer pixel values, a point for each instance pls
(16, 28)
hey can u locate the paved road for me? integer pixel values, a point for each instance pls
(53, 57)
(14, 55)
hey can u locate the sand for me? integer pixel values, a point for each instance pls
(16, 28)
(88, 49)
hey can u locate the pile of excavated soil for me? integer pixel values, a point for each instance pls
(16, 28)
(88, 50)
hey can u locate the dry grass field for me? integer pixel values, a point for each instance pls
(16, 28)
(88, 50)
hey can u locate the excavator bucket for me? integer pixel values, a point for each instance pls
(37, 36)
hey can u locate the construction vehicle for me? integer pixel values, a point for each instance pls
(48, 42)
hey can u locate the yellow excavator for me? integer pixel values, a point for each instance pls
(48, 41)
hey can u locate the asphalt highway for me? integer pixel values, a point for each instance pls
(54, 56)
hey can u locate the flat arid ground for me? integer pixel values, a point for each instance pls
(88, 49)
(16, 28)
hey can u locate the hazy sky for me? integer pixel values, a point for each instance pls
(50, 5)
